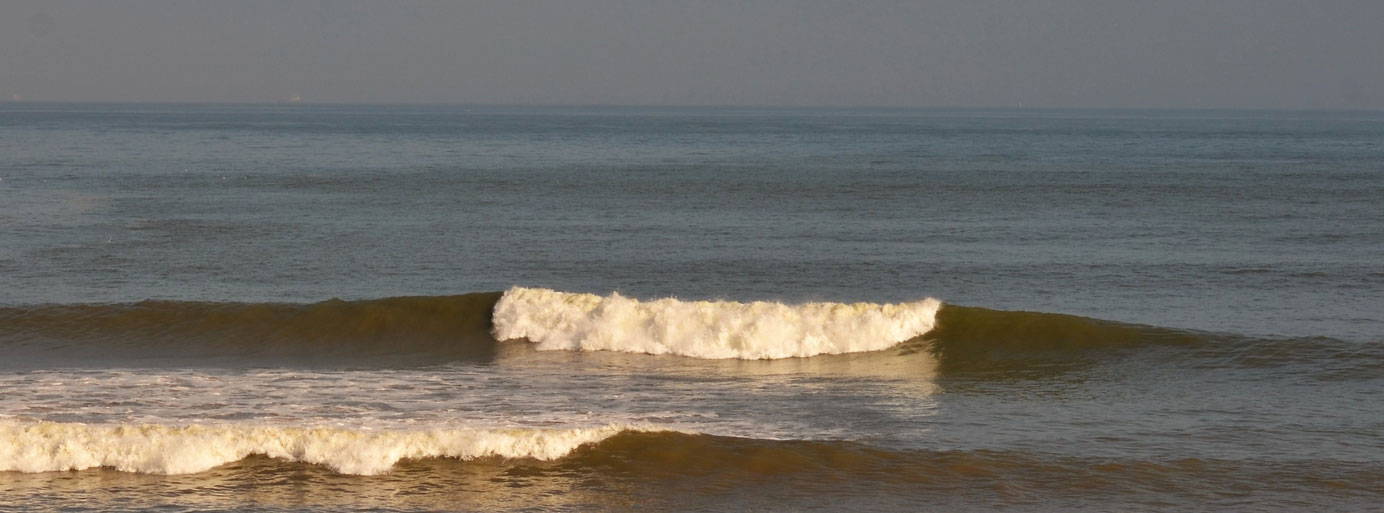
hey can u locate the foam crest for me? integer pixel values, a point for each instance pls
(705, 329)
(165, 449)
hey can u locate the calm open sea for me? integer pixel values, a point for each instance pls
(402, 308)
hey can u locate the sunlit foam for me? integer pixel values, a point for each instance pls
(705, 329)
(165, 449)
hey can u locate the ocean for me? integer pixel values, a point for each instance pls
(540, 308)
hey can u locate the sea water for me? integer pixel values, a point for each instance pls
(288, 307)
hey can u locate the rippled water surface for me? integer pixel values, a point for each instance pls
(265, 308)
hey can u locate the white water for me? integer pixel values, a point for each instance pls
(705, 329)
(363, 421)
(170, 449)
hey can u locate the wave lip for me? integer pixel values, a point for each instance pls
(705, 329)
(169, 449)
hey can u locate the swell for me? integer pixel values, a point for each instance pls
(426, 329)
(653, 457)
(973, 338)
(667, 455)
(438, 329)
(980, 339)
(446, 328)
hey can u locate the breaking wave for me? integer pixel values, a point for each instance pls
(645, 457)
(705, 329)
(470, 327)
(164, 449)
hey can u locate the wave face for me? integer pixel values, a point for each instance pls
(972, 338)
(427, 328)
(164, 449)
(705, 329)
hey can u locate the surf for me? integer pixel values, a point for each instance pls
(555, 320)
(483, 327)
(644, 456)
(174, 449)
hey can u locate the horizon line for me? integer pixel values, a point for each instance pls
(282, 103)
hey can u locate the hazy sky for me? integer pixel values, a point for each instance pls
(1099, 53)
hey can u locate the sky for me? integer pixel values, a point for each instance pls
(1176, 54)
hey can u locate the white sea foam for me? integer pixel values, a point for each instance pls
(168, 449)
(705, 329)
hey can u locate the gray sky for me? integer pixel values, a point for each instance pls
(1099, 53)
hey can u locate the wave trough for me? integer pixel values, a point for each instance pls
(556, 320)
